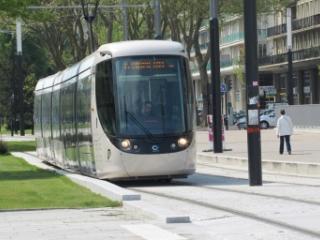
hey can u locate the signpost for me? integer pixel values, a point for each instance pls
(252, 87)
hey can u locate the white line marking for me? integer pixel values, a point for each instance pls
(152, 232)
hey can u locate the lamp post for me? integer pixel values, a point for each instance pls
(157, 19)
(89, 9)
(20, 78)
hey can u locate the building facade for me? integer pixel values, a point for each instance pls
(272, 56)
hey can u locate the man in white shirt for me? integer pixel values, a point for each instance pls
(284, 131)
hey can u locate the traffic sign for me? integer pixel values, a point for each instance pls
(223, 88)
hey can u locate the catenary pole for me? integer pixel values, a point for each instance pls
(215, 77)
(289, 47)
(125, 19)
(252, 88)
(157, 19)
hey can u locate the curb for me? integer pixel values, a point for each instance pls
(109, 190)
(102, 187)
(283, 167)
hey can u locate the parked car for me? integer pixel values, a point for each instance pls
(267, 120)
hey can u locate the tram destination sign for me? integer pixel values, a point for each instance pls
(146, 65)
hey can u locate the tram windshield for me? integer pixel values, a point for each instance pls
(151, 95)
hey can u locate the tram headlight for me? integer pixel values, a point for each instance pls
(125, 144)
(182, 142)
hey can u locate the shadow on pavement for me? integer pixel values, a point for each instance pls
(196, 179)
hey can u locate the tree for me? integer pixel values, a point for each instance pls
(6, 71)
(185, 18)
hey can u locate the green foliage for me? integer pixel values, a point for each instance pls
(15, 8)
(234, 7)
(23, 186)
(238, 68)
(55, 39)
(6, 71)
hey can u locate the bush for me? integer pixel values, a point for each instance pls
(3, 148)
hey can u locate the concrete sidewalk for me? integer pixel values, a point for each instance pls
(305, 158)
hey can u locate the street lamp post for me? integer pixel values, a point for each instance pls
(20, 80)
(157, 19)
(89, 9)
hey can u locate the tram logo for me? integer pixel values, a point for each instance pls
(155, 148)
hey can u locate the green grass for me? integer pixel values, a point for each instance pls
(23, 186)
(21, 146)
(6, 131)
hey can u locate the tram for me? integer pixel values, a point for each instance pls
(124, 112)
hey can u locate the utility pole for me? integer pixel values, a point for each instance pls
(215, 77)
(252, 88)
(157, 19)
(20, 80)
(289, 47)
(125, 19)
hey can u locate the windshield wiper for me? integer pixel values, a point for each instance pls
(139, 124)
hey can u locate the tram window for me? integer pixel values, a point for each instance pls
(55, 114)
(46, 114)
(105, 97)
(37, 115)
(155, 79)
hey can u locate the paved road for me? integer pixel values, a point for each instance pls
(219, 202)
(305, 145)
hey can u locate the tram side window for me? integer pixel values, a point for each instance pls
(189, 92)
(37, 115)
(67, 118)
(105, 97)
(46, 115)
(55, 114)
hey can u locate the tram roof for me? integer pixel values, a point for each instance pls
(142, 47)
(117, 49)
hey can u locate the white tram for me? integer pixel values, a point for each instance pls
(124, 112)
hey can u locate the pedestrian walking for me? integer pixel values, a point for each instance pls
(284, 131)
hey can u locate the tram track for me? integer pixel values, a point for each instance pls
(298, 200)
(234, 211)
(269, 174)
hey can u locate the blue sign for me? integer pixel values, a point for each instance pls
(223, 88)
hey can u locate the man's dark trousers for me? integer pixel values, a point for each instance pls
(287, 138)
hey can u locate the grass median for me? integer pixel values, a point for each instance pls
(23, 186)
(21, 146)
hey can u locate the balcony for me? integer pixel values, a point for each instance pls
(298, 55)
(306, 53)
(297, 24)
(276, 30)
(306, 22)
(233, 37)
(262, 33)
(224, 63)
(273, 59)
